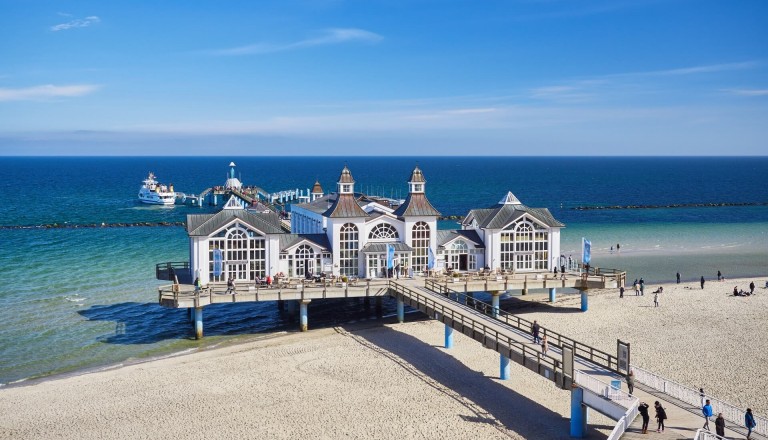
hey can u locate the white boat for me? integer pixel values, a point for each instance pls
(155, 193)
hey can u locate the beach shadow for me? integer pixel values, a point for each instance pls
(486, 400)
(148, 323)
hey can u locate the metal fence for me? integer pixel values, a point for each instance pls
(613, 394)
(692, 397)
(703, 434)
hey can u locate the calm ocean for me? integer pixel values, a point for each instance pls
(83, 299)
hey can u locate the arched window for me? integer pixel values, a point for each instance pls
(242, 252)
(420, 243)
(383, 231)
(348, 249)
(304, 258)
(459, 246)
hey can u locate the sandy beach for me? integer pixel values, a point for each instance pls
(396, 380)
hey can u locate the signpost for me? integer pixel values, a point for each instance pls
(622, 353)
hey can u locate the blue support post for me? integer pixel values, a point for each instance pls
(448, 336)
(304, 321)
(495, 303)
(578, 413)
(400, 311)
(584, 301)
(198, 323)
(552, 294)
(503, 367)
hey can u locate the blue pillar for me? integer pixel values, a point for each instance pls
(448, 336)
(503, 367)
(578, 413)
(198, 323)
(495, 303)
(303, 315)
(552, 294)
(584, 301)
(400, 311)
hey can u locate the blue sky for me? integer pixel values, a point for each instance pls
(374, 77)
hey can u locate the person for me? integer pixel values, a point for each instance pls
(637, 288)
(702, 281)
(544, 345)
(719, 276)
(621, 292)
(703, 397)
(678, 277)
(611, 249)
(720, 425)
(751, 287)
(269, 280)
(230, 285)
(562, 272)
(661, 415)
(397, 271)
(656, 298)
(535, 330)
(197, 283)
(257, 281)
(707, 411)
(618, 248)
(643, 410)
(735, 291)
(631, 382)
(749, 422)
(642, 287)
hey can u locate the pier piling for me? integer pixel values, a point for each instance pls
(400, 311)
(503, 367)
(303, 315)
(448, 336)
(198, 323)
(495, 295)
(552, 294)
(584, 301)
(578, 413)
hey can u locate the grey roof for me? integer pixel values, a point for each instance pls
(372, 248)
(499, 216)
(288, 240)
(207, 224)
(446, 236)
(416, 205)
(417, 176)
(345, 206)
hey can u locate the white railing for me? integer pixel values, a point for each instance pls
(613, 394)
(703, 434)
(692, 397)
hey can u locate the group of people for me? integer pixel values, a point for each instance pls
(737, 292)
(707, 412)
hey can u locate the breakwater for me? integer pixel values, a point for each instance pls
(673, 205)
(92, 225)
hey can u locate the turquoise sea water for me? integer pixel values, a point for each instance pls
(76, 299)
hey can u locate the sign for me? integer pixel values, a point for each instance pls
(430, 259)
(390, 256)
(568, 361)
(586, 251)
(622, 354)
(217, 262)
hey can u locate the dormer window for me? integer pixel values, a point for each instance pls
(418, 187)
(346, 188)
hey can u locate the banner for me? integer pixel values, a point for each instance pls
(586, 252)
(217, 262)
(390, 256)
(430, 260)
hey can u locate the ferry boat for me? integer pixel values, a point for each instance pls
(155, 193)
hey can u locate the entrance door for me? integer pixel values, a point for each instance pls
(463, 262)
(237, 270)
(524, 261)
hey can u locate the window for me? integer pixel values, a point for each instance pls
(420, 243)
(348, 249)
(525, 246)
(383, 231)
(306, 261)
(243, 254)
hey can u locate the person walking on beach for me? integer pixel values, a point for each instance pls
(707, 411)
(535, 330)
(637, 288)
(702, 281)
(661, 415)
(611, 249)
(643, 410)
(618, 248)
(630, 378)
(621, 292)
(642, 287)
(719, 276)
(720, 425)
(678, 278)
(751, 287)
(749, 422)
(656, 298)
(544, 345)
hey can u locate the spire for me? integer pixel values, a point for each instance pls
(509, 199)
(346, 184)
(317, 191)
(417, 182)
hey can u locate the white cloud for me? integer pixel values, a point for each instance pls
(328, 37)
(710, 68)
(46, 91)
(76, 23)
(749, 92)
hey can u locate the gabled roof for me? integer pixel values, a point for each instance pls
(499, 216)
(445, 237)
(208, 224)
(290, 240)
(345, 206)
(416, 205)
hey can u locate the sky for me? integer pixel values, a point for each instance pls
(384, 77)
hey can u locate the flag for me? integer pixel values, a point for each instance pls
(586, 251)
(217, 262)
(390, 255)
(430, 260)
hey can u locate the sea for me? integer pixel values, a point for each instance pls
(80, 299)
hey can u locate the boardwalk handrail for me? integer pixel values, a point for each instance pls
(580, 349)
(502, 342)
(703, 434)
(692, 397)
(617, 396)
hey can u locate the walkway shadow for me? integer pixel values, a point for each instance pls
(486, 400)
(147, 323)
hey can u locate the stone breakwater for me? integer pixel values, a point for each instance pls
(92, 225)
(674, 205)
